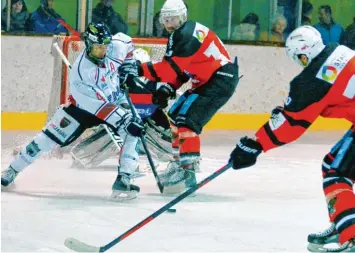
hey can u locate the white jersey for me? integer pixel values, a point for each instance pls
(97, 89)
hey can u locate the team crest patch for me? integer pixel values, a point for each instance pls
(64, 122)
(331, 205)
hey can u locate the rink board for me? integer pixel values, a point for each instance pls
(221, 121)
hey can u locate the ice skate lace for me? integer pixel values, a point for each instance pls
(327, 231)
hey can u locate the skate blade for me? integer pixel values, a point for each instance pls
(120, 196)
(321, 248)
(174, 189)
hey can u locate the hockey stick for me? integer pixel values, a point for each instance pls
(151, 163)
(79, 246)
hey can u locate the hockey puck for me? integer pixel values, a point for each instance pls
(171, 210)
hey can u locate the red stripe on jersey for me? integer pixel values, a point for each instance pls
(105, 111)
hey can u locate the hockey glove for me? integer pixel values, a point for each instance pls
(162, 95)
(128, 71)
(135, 126)
(245, 153)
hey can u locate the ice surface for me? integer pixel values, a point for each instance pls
(270, 207)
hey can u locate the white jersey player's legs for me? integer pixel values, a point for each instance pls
(41, 143)
(129, 158)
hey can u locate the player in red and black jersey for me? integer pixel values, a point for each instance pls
(326, 87)
(194, 52)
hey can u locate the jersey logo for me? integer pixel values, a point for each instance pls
(200, 32)
(335, 64)
(329, 73)
(200, 35)
(276, 121)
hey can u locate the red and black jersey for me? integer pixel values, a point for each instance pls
(324, 88)
(193, 51)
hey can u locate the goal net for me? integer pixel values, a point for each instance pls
(71, 47)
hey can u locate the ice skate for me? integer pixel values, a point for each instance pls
(122, 189)
(318, 240)
(172, 167)
(8, 176)
(183, 178)
(348, 246)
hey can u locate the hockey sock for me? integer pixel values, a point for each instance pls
(189, 146)
(340, 199)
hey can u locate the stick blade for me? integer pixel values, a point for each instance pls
(79, 246)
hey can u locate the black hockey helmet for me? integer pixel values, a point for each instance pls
(96, 33)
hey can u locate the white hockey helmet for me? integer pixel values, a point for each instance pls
(141, 55)
(304, 40)
(173, 13)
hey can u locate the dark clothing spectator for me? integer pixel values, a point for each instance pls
(19, 17)
(105, 13)
(330, 31)
(158, 28)
(248, 29)
(307, 9)
(348, 38)
(45, 19)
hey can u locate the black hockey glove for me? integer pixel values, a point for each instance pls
(128, 71)
(135, 126)
(162, 95)
(245, 153)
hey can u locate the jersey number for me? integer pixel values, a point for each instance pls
(213, 51)
(350, 88)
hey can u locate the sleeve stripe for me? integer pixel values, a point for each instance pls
(103, 104)
(152, 71)
(182, 77)
(272, 136)
(106, 111)
(295, 122)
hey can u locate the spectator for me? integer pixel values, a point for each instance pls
(105, 13)
(19, 18)
(158, 28)
(307, 9)
(279, 24)
(45, 19)
(348, 38)
(330, 31)
(248, 29)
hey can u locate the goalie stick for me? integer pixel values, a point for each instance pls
(79, 246)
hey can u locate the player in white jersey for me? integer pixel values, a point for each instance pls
(95, 98)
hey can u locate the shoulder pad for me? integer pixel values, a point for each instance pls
(122, 37)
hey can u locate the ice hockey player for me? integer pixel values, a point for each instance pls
(325, 87)
(95, 98)
(98, 145)
(193, 52)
